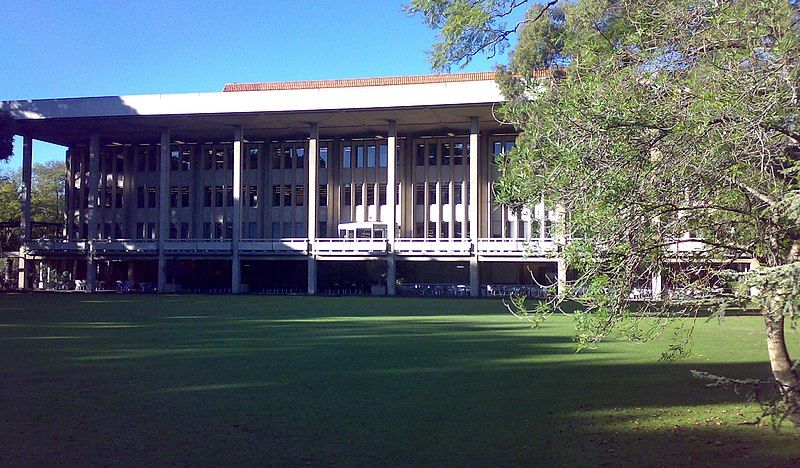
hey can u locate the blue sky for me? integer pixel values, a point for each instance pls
(91, 48)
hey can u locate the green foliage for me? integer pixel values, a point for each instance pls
(6, 135)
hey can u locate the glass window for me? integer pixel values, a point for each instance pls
(141, 158)
(276, 158)
(152, 161)
(371, 156)
(458, 154)
(140, 230)
(174, 160)
(323, 195)
(253, 159)
(184, 230)
(207, 196)
(432, 154)
(420, 194)
(347, 196)
(359, 195)
(120, 163)
(287, 158)
(229, 230)
(218, 230)
(107, 197)
(118, 199)
(347, 154)
(151, 230)
(185, 196)
(151, 197)
(384, 156)
(381, 194)
(445, 194)
(173, 231)
(252, 196)
(420, 154)
(287, 195)
(359, 156)
(445, 154)
(300, 154)
(173, 197)
(252, 230)
(206, 230)
(208, 159)
(457, 194)
(323, 157)
(140, 197)
(219, 160)
(218, 195)
(276, 195)
(370, 194)
(229, 196)
(186, 160)
(299, 196)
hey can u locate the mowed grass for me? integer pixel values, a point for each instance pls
(223, 380)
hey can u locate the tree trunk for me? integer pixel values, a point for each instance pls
(779, 359)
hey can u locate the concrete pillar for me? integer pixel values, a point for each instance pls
(312, 275)
(562, 275)
(91, 211)
(236, 264)
(391, 204)
(313, 202)
(25, 219)
(474, 222)
(163, 208)
(656, 286)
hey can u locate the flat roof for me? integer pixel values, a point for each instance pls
(340, 107)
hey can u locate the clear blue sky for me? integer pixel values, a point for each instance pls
(90, 48)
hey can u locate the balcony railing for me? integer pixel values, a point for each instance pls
(350, 246)
(125, 246)
(293, 246)
(411, 247)
(46, 245)
(515, 247)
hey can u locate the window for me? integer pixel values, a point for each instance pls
(458, 154)
(299, 196)
(381, 194)
(347, 155)
(432, 194)
(276, 195)
(184, 230)
(359, 195)
(185, 196)
(431, 230)
(140, 231)
(323, 157)
(300, 157)
(173, 231)
(151, 197)
(229, 196)
(287, 230)
(229, 230)
(218, 195)
(219, 160)
(141, 159)
(106, 231)
(323, 195)
(120, 163)
(444, 197)
(218, 230)
(299, 230)
(173, 197)
(174, 160)
(209, 160)
(322, 229)
(117, 231)
(252, 196)
(359, 156)
(457, 229)
(118, 199)
(151, 231)
(186, 160)
(445, 229)
(420, 195)
(420, 155)
(347, 196)
(370, 194)
(276, 158)
(432, 154)
(384, 156)
(445, 154)
(107, 197)
(252, 230)
(287, 158)
(152, 161)
(206, 230)
(371, 156)
(419, 230)
(287, 195)
(229, 158)
(207, 196)
(276, 230)
(253, 159)
(457, 193)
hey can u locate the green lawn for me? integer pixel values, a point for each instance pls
(209, 380)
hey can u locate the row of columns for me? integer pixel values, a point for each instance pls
(238, 155)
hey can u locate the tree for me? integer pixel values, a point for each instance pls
(656, 120)
(47, 193)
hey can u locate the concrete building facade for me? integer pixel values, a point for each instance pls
(362, 186)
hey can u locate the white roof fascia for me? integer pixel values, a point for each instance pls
(308, 100)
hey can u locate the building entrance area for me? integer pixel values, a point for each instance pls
(275, 276)
(352, 278)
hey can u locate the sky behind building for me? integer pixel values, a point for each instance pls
(77, 48)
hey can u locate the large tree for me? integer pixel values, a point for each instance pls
(656, 120)
(6, 135)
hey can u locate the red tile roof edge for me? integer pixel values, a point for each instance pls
(359, 82)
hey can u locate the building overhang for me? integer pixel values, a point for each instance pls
(418, 108)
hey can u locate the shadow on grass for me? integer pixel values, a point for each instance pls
(233, 381)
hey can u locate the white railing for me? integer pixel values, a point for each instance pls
(515, 247)
(688, 245)
(280, 246)
(432, 246)
(56, 245)
(124, 246)
(350, 246)
(197, 245)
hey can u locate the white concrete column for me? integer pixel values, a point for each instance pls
(236, 263)
(313, 202)
(656, 286)
(25, 219)
(163, 208)
(474, 222)
(391, 202)
(561, 275)
(91, 210)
